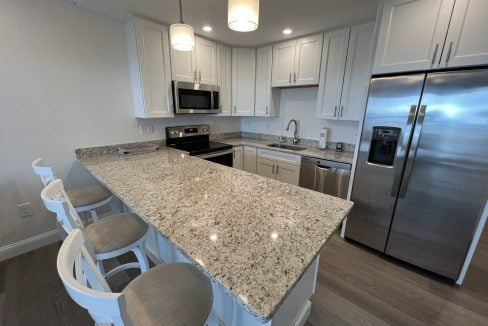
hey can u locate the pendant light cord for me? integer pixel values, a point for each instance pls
(181, 14)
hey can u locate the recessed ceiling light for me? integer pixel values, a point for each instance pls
(207, 28)
(287, 31)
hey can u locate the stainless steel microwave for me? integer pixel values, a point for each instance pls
(195, 98)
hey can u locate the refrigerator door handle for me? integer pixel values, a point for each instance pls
(400, 157)
(413, 151)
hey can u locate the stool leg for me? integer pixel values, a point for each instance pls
(100, 267)
(94, 215)
(141, 257)
(114, 206)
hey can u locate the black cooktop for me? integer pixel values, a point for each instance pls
(201, 147)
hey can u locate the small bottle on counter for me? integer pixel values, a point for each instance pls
(323, 138)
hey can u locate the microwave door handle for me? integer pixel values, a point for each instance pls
(412, 153)
(211, 100)
(401, 152)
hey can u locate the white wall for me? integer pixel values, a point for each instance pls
(300, 104)
(64, 85)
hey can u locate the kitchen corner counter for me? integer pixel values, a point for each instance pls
(325, 154)
(252, 235)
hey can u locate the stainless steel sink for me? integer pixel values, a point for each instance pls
(285, 146)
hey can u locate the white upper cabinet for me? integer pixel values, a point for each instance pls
(411, 35)
(357, 75)
(265, 102)
(466, 42)
(184, 66)
(307, 60)
(297, 62)
(197, 66)
(243, 81)
(224, 76)
(149, 65)
(206, 56)
(283, 63)
(345, 73)
(334, 57)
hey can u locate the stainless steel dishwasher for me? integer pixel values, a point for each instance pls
(324, 176)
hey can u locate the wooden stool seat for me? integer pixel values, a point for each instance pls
(87, 195)
(170, 294)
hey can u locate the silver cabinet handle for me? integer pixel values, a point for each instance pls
(235, 109)
(199, 76)
(295, 77)
(335, 110)
(449, 52)
(435, 54)
(290, 78)
(195, 76)
(342, 110)
(277, 166)
(272, 171)
(266, 110)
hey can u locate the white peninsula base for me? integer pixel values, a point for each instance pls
(294, 310)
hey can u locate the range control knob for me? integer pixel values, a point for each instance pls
(205, 129)
(172, 132)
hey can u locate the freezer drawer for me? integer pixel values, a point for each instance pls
(324, 176)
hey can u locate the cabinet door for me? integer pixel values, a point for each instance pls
(250, 159)
(334, 57)
(287, 173)
(265, 168)
(206, 57)
(308, 53)
(466, 42)
(149, 64)
(357, 76)
(411, 34)
(184, 66)
(224, 68)
(283, 63)
(264, 58)
(243, 81)
(238, 161)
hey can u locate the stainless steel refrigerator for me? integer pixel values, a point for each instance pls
(421, 179)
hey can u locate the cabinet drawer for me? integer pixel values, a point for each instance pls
(279, 156)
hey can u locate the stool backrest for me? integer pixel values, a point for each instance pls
(86, 285)
(55, 199)
(45, 172)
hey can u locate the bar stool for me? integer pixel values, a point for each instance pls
(170, 294)
(110, 237)
(84, 199)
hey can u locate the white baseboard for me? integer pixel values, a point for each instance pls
(27, 245)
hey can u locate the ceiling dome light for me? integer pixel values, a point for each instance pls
(182, 35)
(287, 31)
(207, 28)
(243, 15)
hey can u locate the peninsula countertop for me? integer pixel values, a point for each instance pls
(253, 235)
(325, 154)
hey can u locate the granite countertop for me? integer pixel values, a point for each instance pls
(326, 154)
(255, 236)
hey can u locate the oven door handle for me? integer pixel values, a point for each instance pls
(215, 154)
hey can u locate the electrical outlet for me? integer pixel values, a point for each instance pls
(25, 209)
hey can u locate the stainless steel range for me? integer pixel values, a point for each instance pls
(196, 141)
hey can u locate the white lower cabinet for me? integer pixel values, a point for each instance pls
(238, 160)
(249, 159)
(284, 167)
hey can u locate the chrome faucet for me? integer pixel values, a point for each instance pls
(295, 133)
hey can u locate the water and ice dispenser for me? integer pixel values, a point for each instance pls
(383, 145)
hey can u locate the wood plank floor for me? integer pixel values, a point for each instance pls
(356, 286)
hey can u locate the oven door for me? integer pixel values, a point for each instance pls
(221, 157)
(195, 98)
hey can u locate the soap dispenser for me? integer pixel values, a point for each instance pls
(323, 138)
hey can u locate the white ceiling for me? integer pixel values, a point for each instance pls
(302, 16)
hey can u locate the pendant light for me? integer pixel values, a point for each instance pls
(243, 15)
(182, 37)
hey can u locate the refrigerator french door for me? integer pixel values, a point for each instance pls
(421, 179)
